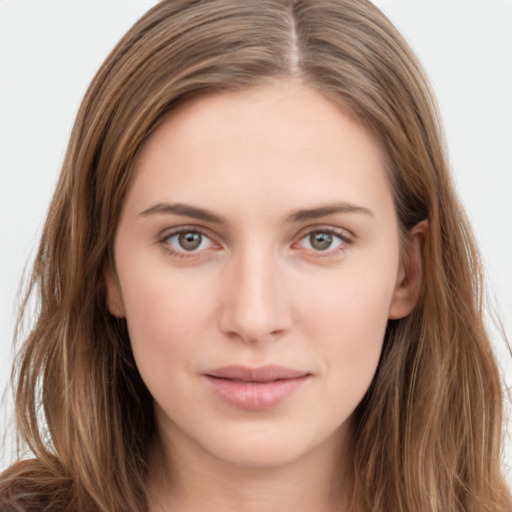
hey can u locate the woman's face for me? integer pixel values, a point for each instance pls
(257, 264)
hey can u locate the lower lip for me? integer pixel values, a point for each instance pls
(254, 396)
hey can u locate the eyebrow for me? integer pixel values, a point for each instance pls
(185, 210)
(324, 211)
(208, 216)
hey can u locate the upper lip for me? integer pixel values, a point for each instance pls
(267, 373)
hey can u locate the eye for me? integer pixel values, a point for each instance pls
(323, 240)
(186, 241)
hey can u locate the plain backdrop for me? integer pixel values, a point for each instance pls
(50, 50)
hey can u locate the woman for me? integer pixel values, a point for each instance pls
(258, 290)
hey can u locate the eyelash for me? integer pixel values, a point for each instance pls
(164, 241)
(341, 235)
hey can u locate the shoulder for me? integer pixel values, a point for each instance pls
(31, 486)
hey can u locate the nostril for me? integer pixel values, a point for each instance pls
(254, 305)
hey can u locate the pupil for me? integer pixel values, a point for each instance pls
(190, 241)
(321, 240)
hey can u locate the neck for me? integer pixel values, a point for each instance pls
(186, 479)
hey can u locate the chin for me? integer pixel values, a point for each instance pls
(268, 446)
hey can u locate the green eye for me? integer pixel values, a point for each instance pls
(189, 241)
(321, 240)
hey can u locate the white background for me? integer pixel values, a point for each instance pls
(50, 49)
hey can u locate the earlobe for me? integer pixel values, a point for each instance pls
(115, 304)
(410, 276)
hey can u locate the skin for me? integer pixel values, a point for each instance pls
(258, 291)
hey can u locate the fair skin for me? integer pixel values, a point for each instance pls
(287, 253)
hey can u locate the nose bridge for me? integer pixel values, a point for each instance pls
(255, 304)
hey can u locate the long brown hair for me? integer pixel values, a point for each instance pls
(427, 434)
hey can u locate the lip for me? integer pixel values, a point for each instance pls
(255, 389)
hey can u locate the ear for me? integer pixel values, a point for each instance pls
(410, 274)
(115, 303)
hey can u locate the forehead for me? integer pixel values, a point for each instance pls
(273, 142)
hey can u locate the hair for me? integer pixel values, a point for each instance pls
(426, 435)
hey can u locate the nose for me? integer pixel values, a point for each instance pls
(255, 306)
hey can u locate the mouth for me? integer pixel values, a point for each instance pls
(255, 389)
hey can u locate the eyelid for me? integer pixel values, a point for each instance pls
(170, 232)
(344, 235)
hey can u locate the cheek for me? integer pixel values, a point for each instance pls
(352, 303)
(346, 321)
(166, 317)
(350, 332)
